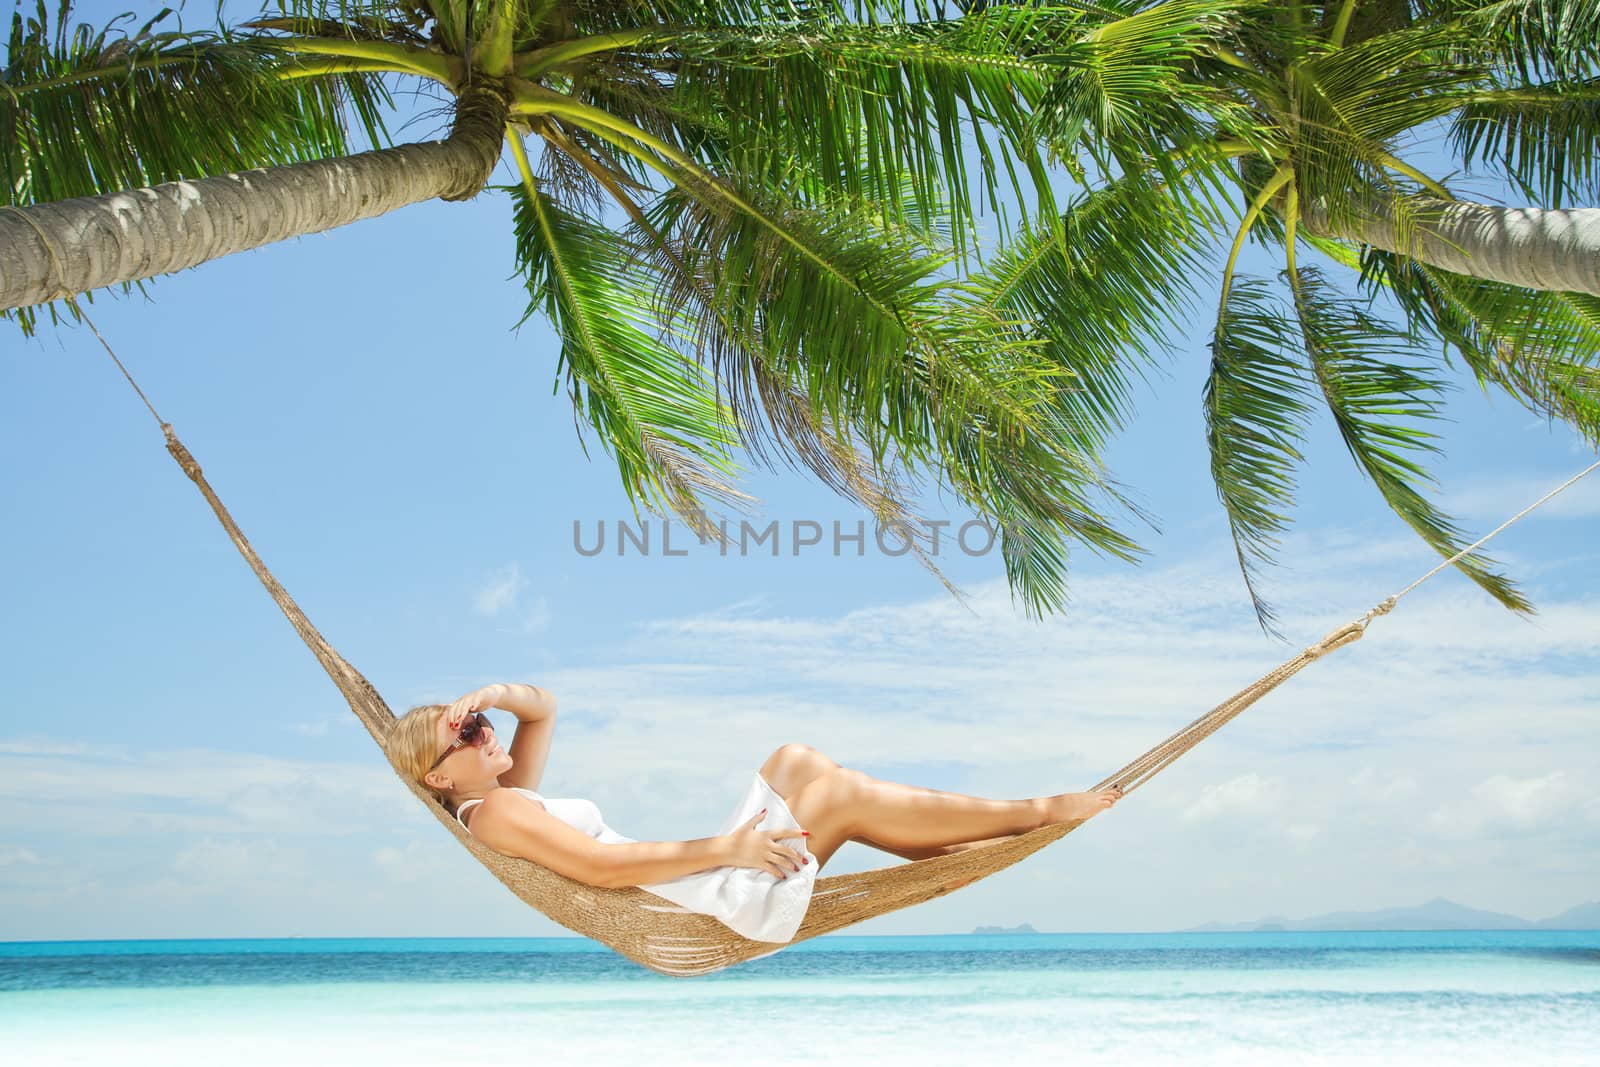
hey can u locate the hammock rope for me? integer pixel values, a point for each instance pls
(670, 940)
(1146, 766)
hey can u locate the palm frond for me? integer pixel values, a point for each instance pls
(1101, 290)
(859, 295)
(1125, 83)
(1545, 138)
(1379, 405)
(1541, 347)
(1041, 508)
(653, 409)
(853, 312)
(1539, 39)
(356, 20)
(774, 419)
(1351, 105)
(867, 107)
(599, 16)
(147, 106)
(1256, 403)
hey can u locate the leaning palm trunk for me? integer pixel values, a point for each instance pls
(1523, 246)
(55, 250)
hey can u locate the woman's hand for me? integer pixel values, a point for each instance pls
(760, 850)
(528, 703)
(489, 696)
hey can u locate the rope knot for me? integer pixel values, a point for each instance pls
(1344, 635)
(1382, 609)
(185, 459)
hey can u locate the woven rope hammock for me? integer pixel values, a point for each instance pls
(664, 937)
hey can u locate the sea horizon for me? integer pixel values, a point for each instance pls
(572, 941)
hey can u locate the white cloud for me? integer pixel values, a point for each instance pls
(35, 747)
(407, 863)
(195, 791)
(1526, 802)
(500, 592)
(1417, 762)
(537, 617)
(1497, 500)
(1382, 784)
(1248, 794)
(10, 857)
(1504, 805)
(238, 862)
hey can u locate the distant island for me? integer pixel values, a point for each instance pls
(1436, 914)
(1020, 928)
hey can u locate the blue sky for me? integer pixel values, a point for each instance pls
(173, 763)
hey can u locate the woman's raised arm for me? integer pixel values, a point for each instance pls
(535, 710)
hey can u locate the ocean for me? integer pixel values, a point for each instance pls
(1265, 998)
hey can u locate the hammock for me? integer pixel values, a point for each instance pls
(666, 938)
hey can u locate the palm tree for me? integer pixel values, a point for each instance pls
(1291, 130)
(755, 224)
(746, 219)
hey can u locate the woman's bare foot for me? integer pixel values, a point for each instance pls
(1076, 807)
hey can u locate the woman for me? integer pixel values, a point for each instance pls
(756, 874)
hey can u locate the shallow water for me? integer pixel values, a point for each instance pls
(1237, 998)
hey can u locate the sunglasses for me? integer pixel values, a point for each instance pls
(472, 733)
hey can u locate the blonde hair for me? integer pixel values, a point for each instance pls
(413, 743)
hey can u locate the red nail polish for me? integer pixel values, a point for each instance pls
(805, 833)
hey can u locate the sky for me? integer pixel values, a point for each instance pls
(174, 764)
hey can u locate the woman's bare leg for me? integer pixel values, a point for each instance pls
(929, 851)
(837, 804)
(791, 767)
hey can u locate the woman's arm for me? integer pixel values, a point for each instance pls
(535, 710)
(514, 825)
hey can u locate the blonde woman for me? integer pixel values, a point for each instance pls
(755, 875)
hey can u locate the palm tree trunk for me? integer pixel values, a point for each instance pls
(1525, 246)
(50, 251)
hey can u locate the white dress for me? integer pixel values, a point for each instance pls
(753, 903)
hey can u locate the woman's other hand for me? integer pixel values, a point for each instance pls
(761, 849)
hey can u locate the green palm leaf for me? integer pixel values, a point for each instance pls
(1350, 107)
(652, 408)
(1541, 347)
(852, 302)
(775, 420)
(143, 107)
(1538, 38)
(1125, 85)
(1377, 404)
(856, 315)
(864, 108)
(1545, 138)
(1101, 290)
(1256, 403)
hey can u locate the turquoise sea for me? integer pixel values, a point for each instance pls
(1370, 998)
